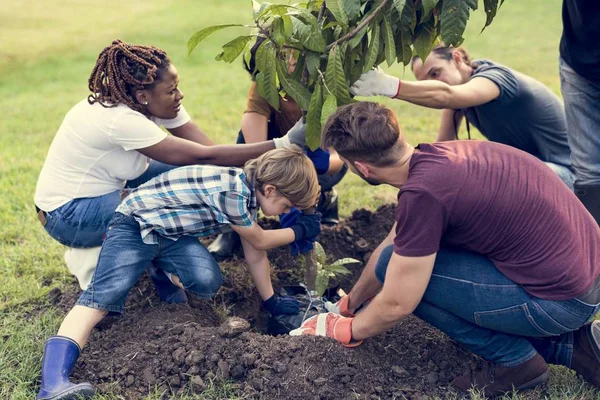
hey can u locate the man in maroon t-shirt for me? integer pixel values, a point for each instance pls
(489, 246)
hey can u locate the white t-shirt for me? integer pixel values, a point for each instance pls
(94, 152)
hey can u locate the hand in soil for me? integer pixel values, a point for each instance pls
(330, 325)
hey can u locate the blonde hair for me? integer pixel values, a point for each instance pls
(290, 171)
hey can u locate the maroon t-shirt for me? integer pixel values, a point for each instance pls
(502, 203)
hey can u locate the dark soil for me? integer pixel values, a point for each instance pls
(188, 348)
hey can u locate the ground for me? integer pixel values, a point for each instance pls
(218, 348)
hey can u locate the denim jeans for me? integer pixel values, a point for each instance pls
(470, 300)
(82, 222)
(582, 106)
(124, 257)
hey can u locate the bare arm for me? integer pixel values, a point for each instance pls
(258, 265)
(405, 283)
(447, 130)
(262, 239)
(436, 94)
(191, 131)
(335, 162)
(368, 285)
(176, 151)
(254, 127)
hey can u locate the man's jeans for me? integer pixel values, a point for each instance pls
(470, 300)
(124, 257)
(82, 222)
(582, 106)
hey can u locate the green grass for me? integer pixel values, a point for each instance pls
(47, 51)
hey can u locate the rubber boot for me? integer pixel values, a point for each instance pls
(589, 195)
(224, 245)
(60, 355)
(167, 290)
(328, 207)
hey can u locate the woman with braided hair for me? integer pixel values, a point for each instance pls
(112, 141)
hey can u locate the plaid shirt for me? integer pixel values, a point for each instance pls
(196, 200)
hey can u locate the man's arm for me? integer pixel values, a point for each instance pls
(405, 282)
(191, 131)
(368, 285)
(447, 130)
(262, 239)
(258, 265)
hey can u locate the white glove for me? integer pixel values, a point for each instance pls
(376, 83)
(296, 135)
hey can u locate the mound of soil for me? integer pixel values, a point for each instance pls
(186, 348)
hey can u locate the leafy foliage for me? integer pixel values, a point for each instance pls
(334, 41)
(326, 270)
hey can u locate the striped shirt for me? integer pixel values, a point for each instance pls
(197, 200)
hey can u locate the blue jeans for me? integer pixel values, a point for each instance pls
(124, 257)
(471, 301)
(582, 106)
(82, 222)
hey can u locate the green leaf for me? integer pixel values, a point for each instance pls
(320, 256)
(345, 261)
(335, 78)
(294, 89)
(264, 54)
(288, 25)
(309, 35)
(472, 4)
(266, 82)
(355, 41)
(453, 21)
(203, 34)
(329, 107)
(337, 9)
(313, 63)
(268, 10)
(233, 49)
(425, 36)
(428, 5)
(491, 8)
(389, 42)
(322, 281)
(313, 118)
(299, 69)
(352, 9)
(277, 31)
(373, 49)
(403, 50)
(399, 5)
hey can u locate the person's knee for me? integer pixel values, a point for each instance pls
(382, 263)
(205, 281)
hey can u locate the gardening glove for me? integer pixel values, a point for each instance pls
(340, 307)
(296, 135)
(376, 83)
(301, 246)
(307, 226)
(330, 325)
(282, 305)
(319, 158)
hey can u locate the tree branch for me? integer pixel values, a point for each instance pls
(360, 27)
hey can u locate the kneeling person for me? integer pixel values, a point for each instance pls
(160, 222)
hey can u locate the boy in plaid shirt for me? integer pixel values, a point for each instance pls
(159, 223)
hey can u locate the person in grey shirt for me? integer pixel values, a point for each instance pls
(505, 105)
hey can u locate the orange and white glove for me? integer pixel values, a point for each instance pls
(340, 307)
(330, 325)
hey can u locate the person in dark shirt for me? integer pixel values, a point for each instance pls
(505, 105)
(580, 86)
(488, 245)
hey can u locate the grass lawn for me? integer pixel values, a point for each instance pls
(46, 54)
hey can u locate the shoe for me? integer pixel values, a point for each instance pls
(328, 207)
(224, 245)
(586, 352)
(60, 355)
(167, 290)
(589, 195)
(494, 381)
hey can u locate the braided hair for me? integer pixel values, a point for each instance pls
(121, 70)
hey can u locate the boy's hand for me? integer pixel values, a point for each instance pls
(330, 325)
(282, 305)
(376, 83)
(296, 135)
(307, 226)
